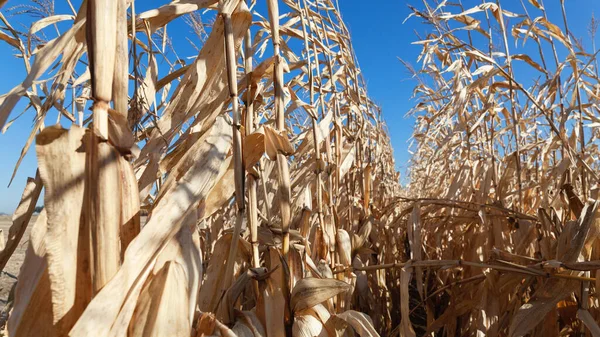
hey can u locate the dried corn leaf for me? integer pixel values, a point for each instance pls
(159, 311)
(222, 191)
(62, 165)
(276, 143)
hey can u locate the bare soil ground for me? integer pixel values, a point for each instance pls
(8, 277)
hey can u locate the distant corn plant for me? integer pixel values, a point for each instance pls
(504, 176)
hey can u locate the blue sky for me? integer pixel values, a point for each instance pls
(379, 39)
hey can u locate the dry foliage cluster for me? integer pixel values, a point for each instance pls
(504, 177)
(262, 165)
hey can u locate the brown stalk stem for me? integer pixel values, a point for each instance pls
(319, 164)
(323, 38)
(121, 71)
(584, 189)
(230, 55)
(335, 97)
(252, 184)
(282, 164)
(513, 110)
(558, 79)
(102, 210)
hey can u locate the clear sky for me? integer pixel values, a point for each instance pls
(379, 38)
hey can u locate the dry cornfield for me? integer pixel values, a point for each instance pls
(266, 179)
